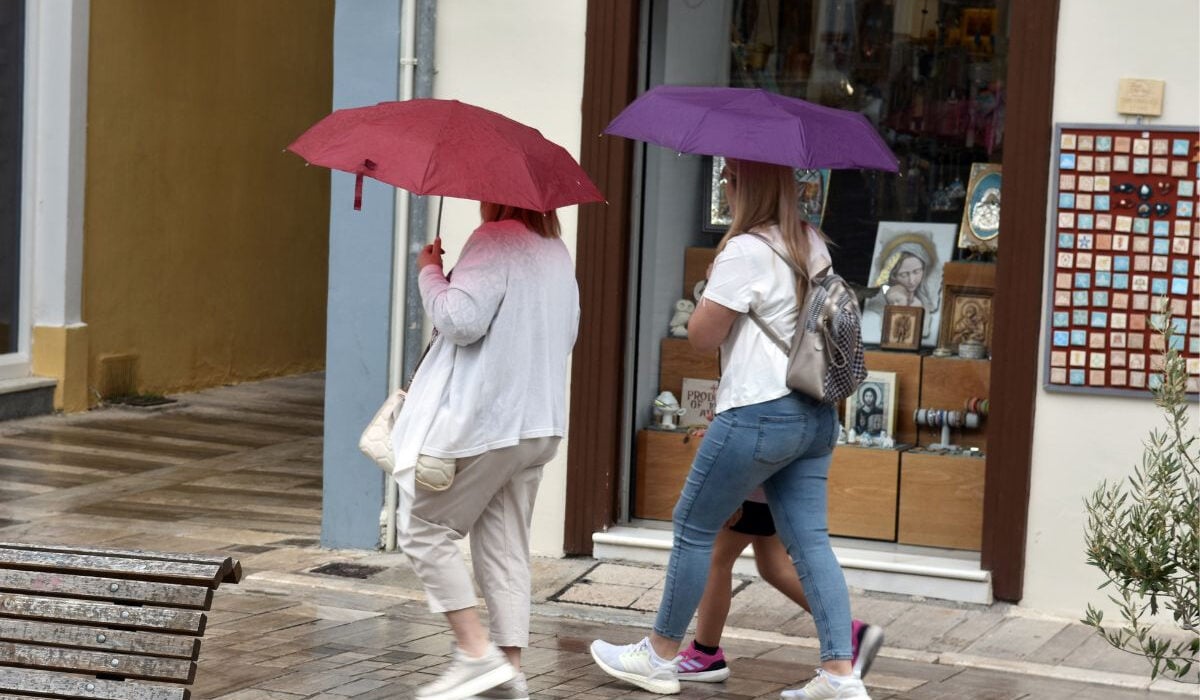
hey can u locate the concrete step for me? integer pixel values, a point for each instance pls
(870, 566)
(25, 397)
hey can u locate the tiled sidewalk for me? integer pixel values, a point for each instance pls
(238, 469)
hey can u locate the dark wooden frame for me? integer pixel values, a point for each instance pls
(603, 269)
(1016, 308)
(890, 312)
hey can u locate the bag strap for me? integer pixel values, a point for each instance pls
(762, 324)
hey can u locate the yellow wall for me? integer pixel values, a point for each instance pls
(205, 246)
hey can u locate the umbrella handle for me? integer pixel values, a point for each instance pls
(358, 192)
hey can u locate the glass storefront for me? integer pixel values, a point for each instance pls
(12, 66)
(920, 244)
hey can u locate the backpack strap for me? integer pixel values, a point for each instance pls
(762, 324)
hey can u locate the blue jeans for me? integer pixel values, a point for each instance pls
(786, 445)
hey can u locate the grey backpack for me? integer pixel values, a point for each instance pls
(825, 358)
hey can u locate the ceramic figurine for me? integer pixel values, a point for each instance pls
(667, 409)
(679, 321)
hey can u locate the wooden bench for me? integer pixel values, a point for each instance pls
(106, 624)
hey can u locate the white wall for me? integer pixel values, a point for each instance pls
(1079, 440)
(524, 59)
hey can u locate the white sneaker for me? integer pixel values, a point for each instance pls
(637, 664)
(823, 688)
(466, 676)
(516, 689)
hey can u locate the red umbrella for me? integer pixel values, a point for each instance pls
(448, 148)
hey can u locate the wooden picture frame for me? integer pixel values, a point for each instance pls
(878, 413)
(902, 327)
(967, 292)
(813, 186)
(980, 227)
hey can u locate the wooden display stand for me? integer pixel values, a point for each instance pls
(663, 462)
(947, 382)
(679, 360)
(907, 366)
(941, 500)
(863, 485)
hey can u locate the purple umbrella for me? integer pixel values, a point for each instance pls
(753, 124)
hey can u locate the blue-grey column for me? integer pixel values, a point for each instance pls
(366, 60)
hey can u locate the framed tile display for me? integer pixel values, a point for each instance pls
(1126, 252)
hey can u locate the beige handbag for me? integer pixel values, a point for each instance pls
(376, 440)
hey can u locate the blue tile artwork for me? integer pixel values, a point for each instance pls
(1084, 241)
(1141, 166)
(1158, 286)
(1161, 228)
(1103, 278)
(1179, 325)
(1194, 346)
(1179, 147)
(1179, 267)
(1066, 161)
(1061, 339)
(1162, 246)
(1079, 337)
(1066, 200)
(1061, 319)
(1121, 263)
(1075, 377)
(1186, 188)
(1103, 143)
(1099, 319)
(1183, 209)
(1079, 317)
(1079, 298)
(1099, 299)
(1120, 280)
(1101, 202)
(1066, 240)
(1141, 225)
(1176, 342)
(1179, 286)
(1154, 381)
(1082, 280)
(1087, 221)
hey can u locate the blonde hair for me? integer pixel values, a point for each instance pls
(764, 194)
(545, 224)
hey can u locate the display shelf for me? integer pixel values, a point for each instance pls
(663, 462)
(941, 500)
(679, 360)
(863, 490)
(947, 383)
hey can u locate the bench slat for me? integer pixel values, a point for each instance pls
(203, 574)
(108, 614)
(152, 668)
(28, 680)
(98, 638)
(231, 568)
(114, 589)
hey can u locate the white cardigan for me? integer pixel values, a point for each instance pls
(497, 373)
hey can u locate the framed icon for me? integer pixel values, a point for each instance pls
(980, 228)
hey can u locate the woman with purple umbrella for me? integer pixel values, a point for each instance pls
(763, 433)
(485, 412)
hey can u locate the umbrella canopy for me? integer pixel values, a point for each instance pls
(753, 124)
(448, 148)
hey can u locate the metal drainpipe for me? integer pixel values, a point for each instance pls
(420, 18)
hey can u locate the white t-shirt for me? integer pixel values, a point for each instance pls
(746, 275)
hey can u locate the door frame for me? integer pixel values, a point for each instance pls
(603, 261)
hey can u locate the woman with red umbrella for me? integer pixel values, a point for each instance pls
(763, 433)
(494, 383)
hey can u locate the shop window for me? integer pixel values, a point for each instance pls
(920, 245)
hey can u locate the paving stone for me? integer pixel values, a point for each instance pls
(1015, 638)
(606, 594)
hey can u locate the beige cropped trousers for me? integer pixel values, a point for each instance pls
(491, 499)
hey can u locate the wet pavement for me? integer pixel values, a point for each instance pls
(238, 470)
